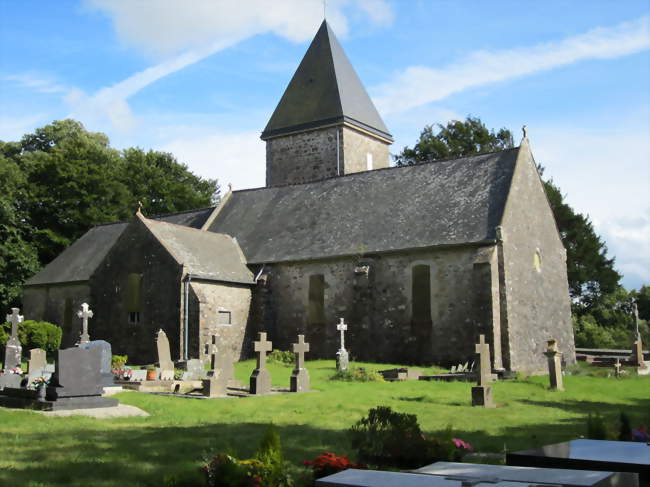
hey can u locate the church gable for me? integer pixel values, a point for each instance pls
(444, 203)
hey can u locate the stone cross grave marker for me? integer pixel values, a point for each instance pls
(482, 392)
(300, 375)
(84, 313)
(554, 365)
(617, 368)
(637, 345)
(13, 349)
(260, 381)
(342, 356)
(164, 356)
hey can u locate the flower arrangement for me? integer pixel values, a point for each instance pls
(40, 382)
(328, 463)
(122, 374)
(15, 370)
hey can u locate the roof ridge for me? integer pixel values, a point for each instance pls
(160, 222)
(390, 168)
(152, 217)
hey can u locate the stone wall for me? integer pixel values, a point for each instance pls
(222, 309)
(312, 155)
(302, 157)
(58, 304)
(378, 306)
(137, 252)
(536, 305)
(357, 146)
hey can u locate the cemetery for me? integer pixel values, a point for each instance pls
(507, 430)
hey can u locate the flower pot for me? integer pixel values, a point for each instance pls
(40, 393)
(152, 374)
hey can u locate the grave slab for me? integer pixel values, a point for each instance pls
(610, 456)
(545, 476)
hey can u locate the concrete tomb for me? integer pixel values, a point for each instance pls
(164, 355)
(300, 375)
(195, 370)
(138, 375)
(554, 365)
(84, 313)
(260, 381)
(482, 393)
(342, 356)
(13, 349)
(401, 374)
(10, 380)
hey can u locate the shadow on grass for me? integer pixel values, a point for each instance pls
(638, 408)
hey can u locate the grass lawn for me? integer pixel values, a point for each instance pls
(181, 433)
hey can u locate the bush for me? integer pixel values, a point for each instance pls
(357, 374)
(118, 361)
(282, 357)
(392, 439)
(266, 469)
(34, 334)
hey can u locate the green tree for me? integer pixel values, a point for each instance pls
(61, 180)
(456, 139)
(18, 259)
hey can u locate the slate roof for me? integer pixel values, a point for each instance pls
(449, 202)
(325, 89)
(203, 254)
(79, 261)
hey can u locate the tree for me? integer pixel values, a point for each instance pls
(591, 274)
(61, 180)
(456, 139)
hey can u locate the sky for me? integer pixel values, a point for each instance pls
(200, 79)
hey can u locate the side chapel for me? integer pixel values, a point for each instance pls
(419, 260)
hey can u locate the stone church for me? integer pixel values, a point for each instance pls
(418, 260)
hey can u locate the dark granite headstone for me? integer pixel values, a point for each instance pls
(106, 355)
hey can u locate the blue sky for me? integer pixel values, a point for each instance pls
(200, 79)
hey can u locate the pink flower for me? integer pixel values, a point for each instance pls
(458, 443)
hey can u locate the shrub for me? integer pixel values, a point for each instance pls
(357, 374)
(267, 469)
(118, 361)
(34, 334)
(282, 357)
(392, 439)
(329, 464)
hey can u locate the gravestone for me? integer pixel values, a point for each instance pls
(138, 375)
(37, 363)
(482, 392)
(300, 376)
(84, 313)
(195, 370)
(554, 365)
(342, 356)
(617, 368)
(637, 345)
(222, 371)
(106, 371)
(260, 381)
(78, 381)
(13, 349)
(164, 355)
(10, 380)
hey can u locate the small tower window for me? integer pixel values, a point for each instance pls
(133, 297)
(369, 161)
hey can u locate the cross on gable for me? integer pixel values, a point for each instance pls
(14, 318)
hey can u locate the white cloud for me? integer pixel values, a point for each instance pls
(236, 158)
(36, 83)
(197, 30)
(419, 85)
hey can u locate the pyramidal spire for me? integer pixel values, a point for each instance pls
(325, 90)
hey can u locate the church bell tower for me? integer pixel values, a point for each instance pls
(325, 124)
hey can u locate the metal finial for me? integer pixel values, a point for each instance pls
(139, 211)
(324, 9)
(524, 129)
(229, 187)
